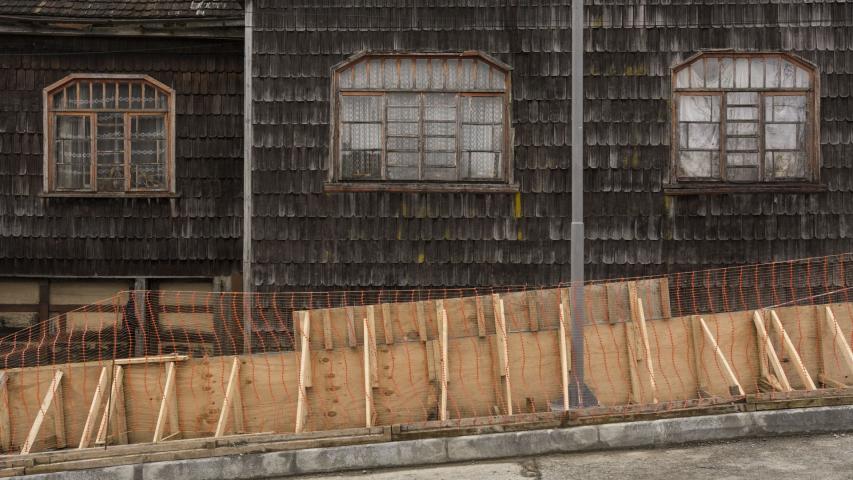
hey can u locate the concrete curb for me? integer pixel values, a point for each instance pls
(433, 451)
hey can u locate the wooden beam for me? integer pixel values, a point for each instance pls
(387, 326)
(481, 317)
(371, 325)
(368, 373)
(633, 375)
(168, 406)
(696, 344)
(840, 344)
(232, 402)
(59, 418)
(665, 309)
(734, 384)
(421, 313)
(304, 379)
(154, 359)
(792, 353)
(564, 359)
(638, 316)
(52, 391)
(770, 353)
(328, 341)
(352, 340)
(5, 419)
(441, 314)
(115, 415)
(503, 353)
(94, 408)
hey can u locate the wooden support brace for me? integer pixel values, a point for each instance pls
(481, 317)
(665, 309)
(304, 378)
(441, 313)
(352, 340)
(371, 325)
(328, 341)
(792, 353)
(770, 353)
(387, 326)
(369, 355)
(232, 403)
(115, 415)
(564, 358)
(830, 382)
(633, 374)
(640, 321)
(94, 408)
(5, 419)
(421, 313)
(697, 343)
(53, 392)
(168, 406)
(840, 345)
(503, 353)
(734, 384)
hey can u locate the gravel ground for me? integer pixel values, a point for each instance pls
(803, 457)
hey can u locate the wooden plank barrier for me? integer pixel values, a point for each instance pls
(437, 360)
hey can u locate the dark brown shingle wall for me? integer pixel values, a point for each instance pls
(199, 236)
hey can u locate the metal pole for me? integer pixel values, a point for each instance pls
(577, 202)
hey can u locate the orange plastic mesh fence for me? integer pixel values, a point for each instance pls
(195, 364)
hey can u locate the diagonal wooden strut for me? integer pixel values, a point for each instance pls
(168, 407)
(94, 408)
(53, 397)
(114, 418)
(5, 419)
(839, 346)
(232, 403)
(766, 352)
(792, 352)
(734, 384)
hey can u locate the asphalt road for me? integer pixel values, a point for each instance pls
(805, 457)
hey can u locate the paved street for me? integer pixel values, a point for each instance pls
(817, 457)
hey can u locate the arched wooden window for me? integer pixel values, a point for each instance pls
(421, 118)
(745, 118)
(109, 134)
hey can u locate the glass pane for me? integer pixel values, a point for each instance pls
(498, 79)
(742, 159)
(374, 73)
(403, 129)
(361, 164)
(802, 80)
(772, 72)
(782, 136)
(403, 159)
(742, 113)
(447, 174)
(389, 73)
(702, 136)
(407, 79)
(440, 128)
(345, 78)
(786, 164)
(742, 98)
(440, 159)
(440, 143)
(402, 143)
(364, 136)
(421, 74)
(110, 95)
(478, 137)
(72, 152)
(482, 76)
(712, 72)
(697, 74)
(59, 99)
(85, 95)
(788, 74)
(437, 73)
(148, 101)
(742, 174)
(482, 110)
(360, 75)
(741, 128)
(402, 114)
(360, 108)
(481, 165)
(136, 96)
(692, 164)
(742, 143)
(97, 95)
(699, 108)
(742, 73)
(727, 73)
(110, 152)
(467, 74)
(148, 152)
(682, 78)
(123, 95)
(756, 77)
(453, 81)
(785, 108)
(402, 173)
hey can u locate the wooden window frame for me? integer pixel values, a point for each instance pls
(50, 113)
(504, 182)
(811, 182)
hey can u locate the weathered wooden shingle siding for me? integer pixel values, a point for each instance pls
(199, 236)
(306, 238)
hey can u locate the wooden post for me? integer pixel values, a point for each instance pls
(352, 340)
(5, 420)
(792, 353)
(840, 344)
(94, 408)
(503, 353)
(232, 402)
(441, 313)
(696, 344)
(115, 416)
(734, 384)
(633, 375)
(369, 344)
(304, 371)
(665, 309)
(564, 359)
(52, 392)
(168, 406)
(770, 353)
(639, 318)
(371, 325)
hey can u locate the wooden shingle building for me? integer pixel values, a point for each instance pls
(419, 144)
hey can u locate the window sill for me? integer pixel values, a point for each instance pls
(421, 187)
(723, 188)
(108, 195)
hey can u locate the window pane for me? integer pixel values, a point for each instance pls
(403, 129)
(783, 136)
(360, 108)
(361, 136)
(481, 165)
(740, 143)
(693, 164)
(697, 74)
(682, 78)
(773, 77)
(361, 164)
(784, 165)
(123, 95)
(374, 73)
(756, 77)
(482, 76)
(407, 79)
(364, 136)
(742, 174)
(402, 143)
(448, 174)
(700, 136)
(788, 74)
(359, 75)
(785, 108)
(421, 73)
(403, 159)
(136, 96)
(698, 108)
(742, 113)
(803, 80)
(148, 152)
(148, 98)
(498, 80)
(72, 152)
(742, 159)
(85, 95)
(453, 81)
(110, 152)
(742, 73)
(712, 72)
(440, 144)
(742, 98)
(727, 73)
(389, 73)
(741, 128)
(437, 73)
(467, 74)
